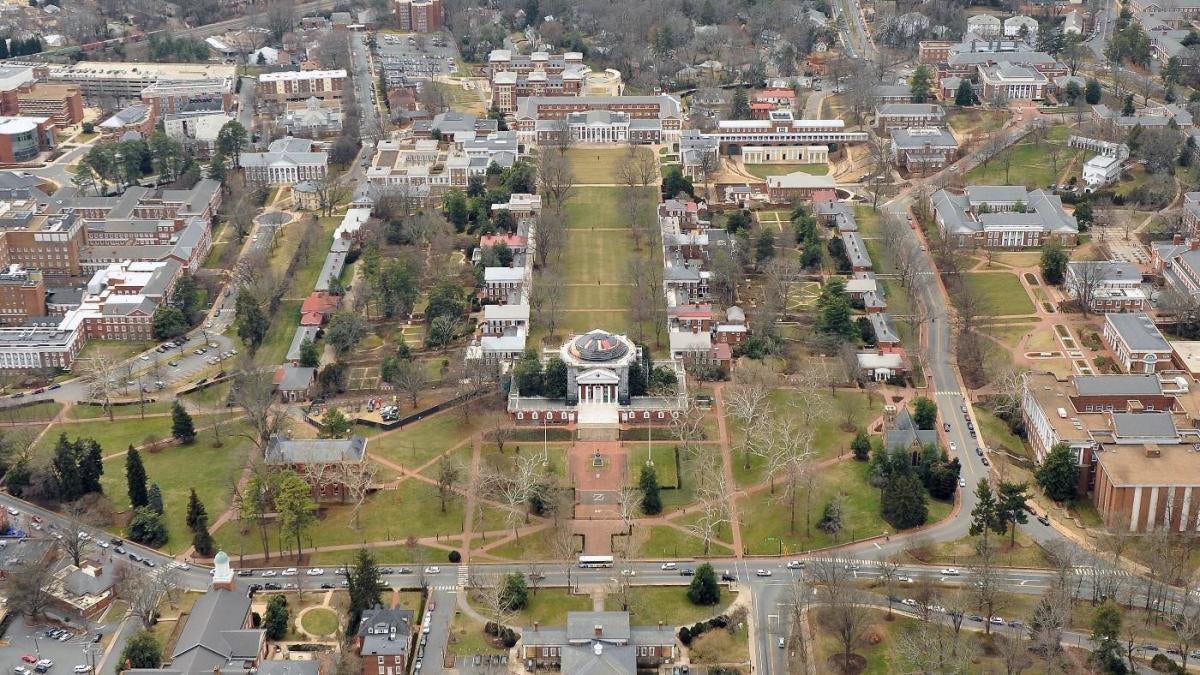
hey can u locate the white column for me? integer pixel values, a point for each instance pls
(1187, 509)
(1152, 516)
(1137, 507)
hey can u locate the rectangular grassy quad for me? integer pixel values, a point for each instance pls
(591, 207)
(599, 165)
(587, 296)
(603, 256)
(1002, 293)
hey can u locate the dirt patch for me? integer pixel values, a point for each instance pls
(839, 663)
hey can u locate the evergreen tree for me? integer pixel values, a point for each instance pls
(147, 528)
(135, 479)
(364, 585)
(310, 356)
(1058, 474)
(651, 499)
(833, 311)
(903, 502)
(455, 206)
(1010, 507)
(335, 424)
(155, 499)
(252, 321)
(195, 511)
(202, 540)
(704, 589)
(861, 445)
(739, 108)
(275, 622)
(1106, 636)
(217, 167)
(1092, 93)
(66, 470)
(985, 517)
(141, 651)
(924, 413)
(965, 94)
(182, 426)
(1054, 263)
(921, 84)
(764, 246)
(91, 465)
(514, 592)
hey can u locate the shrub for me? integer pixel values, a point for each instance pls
(490, 627)
(455, 557)
(685, 636)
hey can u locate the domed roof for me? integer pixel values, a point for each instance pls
(599, 346)
(222, 558)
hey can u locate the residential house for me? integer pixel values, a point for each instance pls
(903, 433)
(598, 642)
(383, 639)
(923, 149)
(295, 383)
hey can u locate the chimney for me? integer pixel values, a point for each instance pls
(599, 630)
(1177, 239)
(1193, 243)
(660, 624)
(535, 626)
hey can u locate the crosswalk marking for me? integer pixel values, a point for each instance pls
(445, 588)
(464, 575)
(947, 393)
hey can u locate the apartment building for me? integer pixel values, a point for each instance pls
(22, 295)
(298, 85)
(998, 216)
(170, 96)
(419, 16)
(538, 74)
(62, 103)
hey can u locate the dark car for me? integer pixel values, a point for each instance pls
(727, 576)
(120, 549)
(946, 427)
(1043, 520)
(116, 542)
(687, 572)
(272, 586)
(245, 573)
(976, 618)
(326, 585)
(97, 637)
(54, 386)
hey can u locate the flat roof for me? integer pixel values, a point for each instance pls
(1138, 332)
(118, 70)
(301, 75)
(1128, 465)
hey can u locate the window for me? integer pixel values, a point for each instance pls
(380, 660)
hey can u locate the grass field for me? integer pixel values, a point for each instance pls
(114, 350)
(115, 437)
(211, 471)
(319, 621)
(667, 542)
(1001, 293)
(976, 120)
(765, 170)
(418, 443)
(599, 165)
(592, 207)
(763, 517)
(669, 604)
(1031, 165)
(547, 606)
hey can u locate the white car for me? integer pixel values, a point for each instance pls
(762, 573)
(81, 668)
(669, 566)
(102, 544)
(950, 572)
(908, 602)
(270, 573)
(962, 482)
(290, 572)
(13, 512)
(953, 447)
(904, 580)
(628, 572)
(144, 357)
(316, 572)
(432, 570)
(795, 565)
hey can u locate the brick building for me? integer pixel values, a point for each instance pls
(419, 16)
(326, 463)
(62, 103)
(22, 295)
(22, 138)
(298, 85)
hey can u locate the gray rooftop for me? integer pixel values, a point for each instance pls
(315, 450)
(1138, 332)
(1117, 385)
(1152, 425)
(936, 137)
(214, 634)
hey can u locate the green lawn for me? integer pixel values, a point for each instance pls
(43, 411)
(115, 437)
(975, 119)
(319, 621)
(211, 471)
(536, 546)
(1001, 293)
(669, 543)
(279, 335)
(418, 443)
(599, 165)
(668, 604)
(1031, 164)
(998, 436)
(763, 516)
(548, 607)
(382, 554)
(663, 456)
(113, 350)
(766, 170)
(389, 515)
(589, 207)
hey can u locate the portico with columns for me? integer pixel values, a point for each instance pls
(598, 368)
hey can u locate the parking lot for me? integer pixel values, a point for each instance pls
(403, 55)
(76, 648)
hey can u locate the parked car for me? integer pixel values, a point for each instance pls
(668, 566)
(687, 572)
(290, 572)
(795, 564)
(762, 573)
(950, 572)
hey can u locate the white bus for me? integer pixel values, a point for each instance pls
(595, 561)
